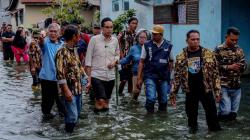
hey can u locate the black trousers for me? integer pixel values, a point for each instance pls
(8, 53)
(208, 103)
(102, 89)
(49, 96)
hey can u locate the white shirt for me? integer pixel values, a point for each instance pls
(100, 53)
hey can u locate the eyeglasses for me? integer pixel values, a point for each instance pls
(142, 37)
(108, 27)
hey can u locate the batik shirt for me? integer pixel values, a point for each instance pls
(126, 41)
(210, 73)
(35, 56)
(69, 69)
(227, 56)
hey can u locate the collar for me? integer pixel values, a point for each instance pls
(226, 46)
(59, 41)
(105, 39)
(159, 45)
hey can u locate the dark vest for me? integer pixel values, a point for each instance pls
(157, 61)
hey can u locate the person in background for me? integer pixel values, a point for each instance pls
(49, 46)
(7, 39)
(2, 30)
(134, 56)
(126, 40)
(20, 47)
(196, 71)
(69, 74)
(35, 58)
(232, 64)
(20, 27)
(101, 58)
(96, 30)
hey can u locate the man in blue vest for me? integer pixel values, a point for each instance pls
(156, 64)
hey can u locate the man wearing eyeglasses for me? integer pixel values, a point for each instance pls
(101, 58)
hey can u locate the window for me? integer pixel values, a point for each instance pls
(126, 5)
(181, 12)
(165, 14)
(115, 5)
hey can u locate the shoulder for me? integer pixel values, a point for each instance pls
(114, 39)
(208, 53)
(219, 47)
(180, 56)
(148, 43)
(62, 50)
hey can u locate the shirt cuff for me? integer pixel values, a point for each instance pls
(63, 81)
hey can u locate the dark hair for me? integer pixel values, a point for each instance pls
(192, 31)
(19, 41)
(105, 20)
(132, 19)
(233, 30)
(64, 23)
(9, 25)
(70, 31)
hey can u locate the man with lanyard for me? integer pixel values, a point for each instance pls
(126, 40)
(156, 63)
(101, 58)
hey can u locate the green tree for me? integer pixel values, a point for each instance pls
(122, 19)
(65, 10)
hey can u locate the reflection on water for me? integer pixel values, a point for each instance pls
(20, 116)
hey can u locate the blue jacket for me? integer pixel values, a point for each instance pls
(157, 61)
(133, 56)
(49, 49)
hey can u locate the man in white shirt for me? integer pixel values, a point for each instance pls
(101, 58)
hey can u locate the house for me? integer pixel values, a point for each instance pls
(210, 17)
(12, 11)
(34, 15)
(29, 12)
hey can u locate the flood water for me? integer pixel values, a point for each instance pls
(21, 117)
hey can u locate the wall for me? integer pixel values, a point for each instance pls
(145, 20)
(236, 13)
(209, 27)
(33, 14)
(209, 22)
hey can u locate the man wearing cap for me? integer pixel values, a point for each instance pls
(156, 64)
(96, 30)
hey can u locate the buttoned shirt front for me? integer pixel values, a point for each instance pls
(100, 53)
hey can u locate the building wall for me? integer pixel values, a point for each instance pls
(209, 22)
(88, 16)
(33, 14)
(143, 13)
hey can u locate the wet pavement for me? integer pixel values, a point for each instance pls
(21, 118)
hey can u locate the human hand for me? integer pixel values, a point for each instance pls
(33, 71)
(234, 67)
(68, 96)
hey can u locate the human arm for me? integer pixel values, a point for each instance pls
(117, 57)
(216, 80)
(61, 76)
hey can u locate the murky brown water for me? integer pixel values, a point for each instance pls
(20, 116)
